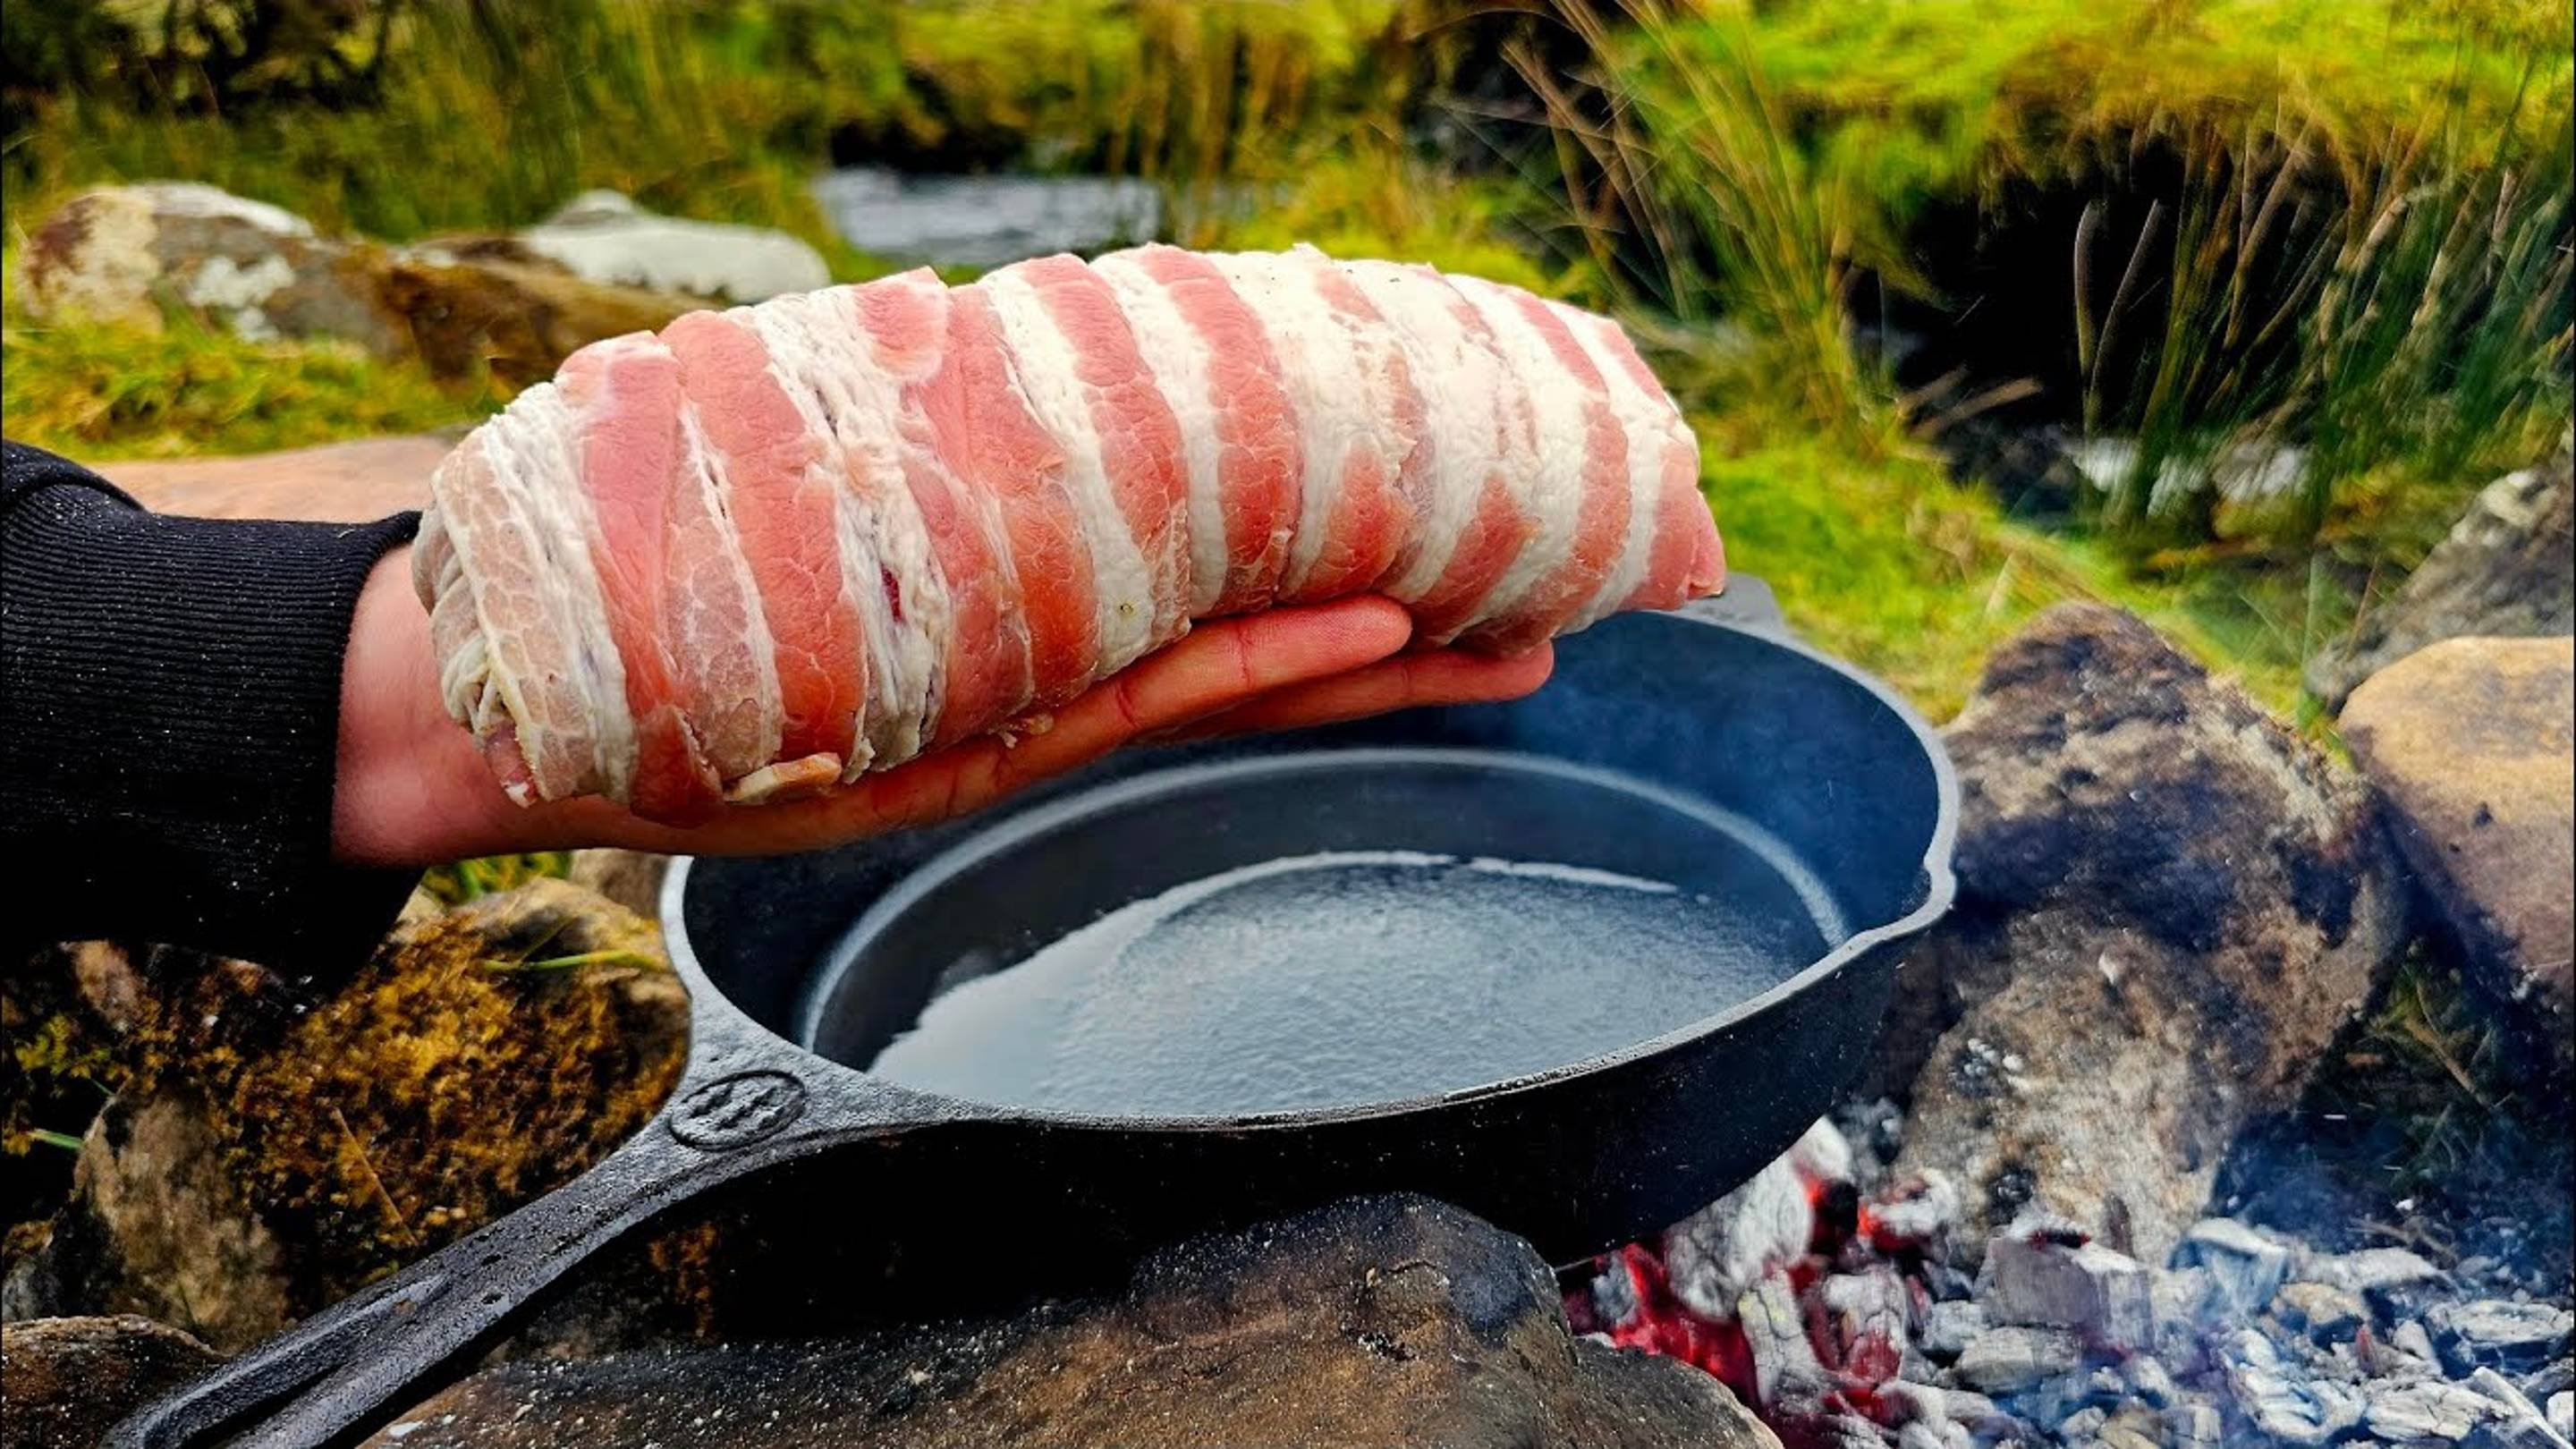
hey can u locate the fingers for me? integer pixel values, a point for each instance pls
(1216, 668)
(1446, 676)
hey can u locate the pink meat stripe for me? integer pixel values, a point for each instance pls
(1217, 367)
(986, 678)
(771, 549)
(779, 494)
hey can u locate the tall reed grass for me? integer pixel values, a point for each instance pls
(2346, 227)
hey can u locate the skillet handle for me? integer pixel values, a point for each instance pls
(310, 1385)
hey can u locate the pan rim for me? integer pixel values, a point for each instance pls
(1940, 891)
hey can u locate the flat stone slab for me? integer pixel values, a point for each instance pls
(2469, 742)
(1374, 1322)
(335, 483)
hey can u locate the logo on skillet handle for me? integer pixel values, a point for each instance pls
(738, 1110)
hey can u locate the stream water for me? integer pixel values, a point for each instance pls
(984, 221)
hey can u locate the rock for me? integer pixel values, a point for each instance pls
(2133, 1427)
(243, 1181)
(2169, 906)
(2562, 1413)
(2194, 1424)
(2503, 572)
(2427, 1410)
(2469, 742)
(2518, 1422)
(631, 878)
(2555, 1378)
(603, 236)
(2102, 1295)
(1374, 1322)
(2321, 1310)
(123, 253)
(2148, 1381)
(2369, 1270)
(2246, 1264)
(2280, 1400)
(2498, 1333)
(65, 1381)
(158, 1227)
(2010, 1360)
(335, 483)
(1948, 1328)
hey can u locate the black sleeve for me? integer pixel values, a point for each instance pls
(169, 717)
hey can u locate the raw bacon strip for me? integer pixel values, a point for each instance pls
(1585, 509)
(985, 674)
(1342, 379)
(545, 690)
(1687, 561)
(1473, 526)
(626, 390)
(1238, 429)
(1086, 383)
(822, 360)
(985, 432)
(781, 493)
(773, 548)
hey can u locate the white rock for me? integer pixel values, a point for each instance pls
(604, 237)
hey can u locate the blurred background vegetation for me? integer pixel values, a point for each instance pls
(1879, 246)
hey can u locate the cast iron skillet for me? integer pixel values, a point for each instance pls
(1650, 720)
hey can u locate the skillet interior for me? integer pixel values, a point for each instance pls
(1653, 726)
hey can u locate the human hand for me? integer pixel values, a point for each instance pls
(413, 789)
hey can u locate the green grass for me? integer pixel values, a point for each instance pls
(1888, 562)
(101, 391)
(2358, 239)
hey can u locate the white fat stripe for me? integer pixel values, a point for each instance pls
(1047, 370)
(697, 471)
(1549, 480)
(533, 453)
(1646, 422)
(1461, 382)
(815, 353)
(1178, 358)
(1318, 372)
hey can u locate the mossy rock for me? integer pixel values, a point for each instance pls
(486, 1055)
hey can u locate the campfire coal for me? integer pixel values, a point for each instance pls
(1834, 1297)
